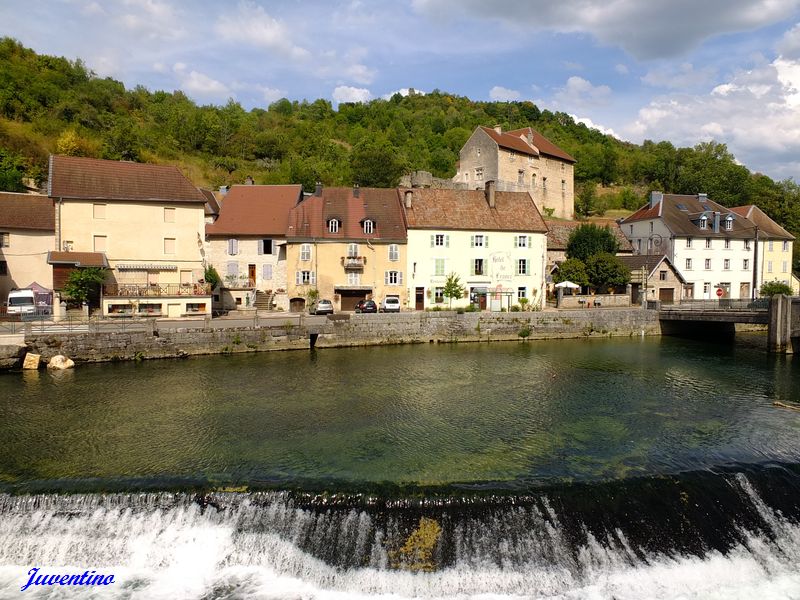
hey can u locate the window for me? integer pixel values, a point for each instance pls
(233, 247)
(195, 307)
(438, 267)
(522, 292)
(479, 174)
(100, 243)
(352, 250)
(729, 222)
(726, 264)
(512, 156)
(394, 252)
(477, 151)
(662, 275)
(785, 246)
(169, 245)
(784, 266)
(747, 244)
(703, 222)
(649, 243)
(651, 227)
(639, 245)
(369, 226)
(266, 247)
(169, 215)
(708, 264)
(522, 266)
(305, 277)
(3, 267)
(727, 244)
(746, 264)
(333, 226)
(688, 264)
(770, 245)
(479, 241)
(4, 239)
(353, 278)
(438, 295)
(522, 241)
(266, 272)
(305, 252)
(232, 269)
(393, 278)
(769, 266)
(563, 186)
(521, 177)
(440, 239)
(186, 277)
(533, 181)
(708, 242)
(477, 267)
(688, 242)
(706, 287)
(99, 211)
(544, 183)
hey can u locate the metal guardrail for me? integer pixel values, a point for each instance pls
(126, 290)
(721, 304)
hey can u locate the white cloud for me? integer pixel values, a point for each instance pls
(199, 84)
(251, 24)
(360, 73)
(644, 29)
(403, 92)
(500, 94)
(682, 76)
(92, 8)
(622, 69)
(579, 92)
(592, 125)
(345, 93)
(152, 20)
(789, 46)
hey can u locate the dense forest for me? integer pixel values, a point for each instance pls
(50, 104)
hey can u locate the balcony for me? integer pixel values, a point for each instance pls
(139, 290)
(354, 263)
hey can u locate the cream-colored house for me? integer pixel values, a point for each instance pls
(521, 160)
(148, 220)
(346, 245)
(494, 241)
(247, 246)
(774, 247)
(27, 226)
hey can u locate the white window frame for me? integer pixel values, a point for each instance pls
(333, 226)
(393, 278)
(728, 223)
(727, 244)
(352, 250)
(708, 243)
(369, 226)
(394, 252)
(688, 242)
(523, 266)
(708, 264)
(746, 264)
(688, 264)
(726, 264)
(437, 262)
(305, 252)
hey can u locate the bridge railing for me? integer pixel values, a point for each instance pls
(720, 304)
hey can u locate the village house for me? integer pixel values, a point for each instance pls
(521, 160)
(146, 220)
(653, 277)
(247, 246)
(346, 245)
(493, 241)
(775, 246)
(712, 246)
(27, 233)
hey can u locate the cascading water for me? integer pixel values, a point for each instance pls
(710, 536)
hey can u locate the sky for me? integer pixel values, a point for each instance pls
(686, 71)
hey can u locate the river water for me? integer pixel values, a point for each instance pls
(641, 468)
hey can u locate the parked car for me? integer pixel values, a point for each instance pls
(366, 306)
(322, 307)
(390, 304)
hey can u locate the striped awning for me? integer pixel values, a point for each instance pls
(145, 267)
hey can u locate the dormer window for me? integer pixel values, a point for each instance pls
(729, 222)
(703, 222)
(369, 226)
(333, 226)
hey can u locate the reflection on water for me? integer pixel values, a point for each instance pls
(495, 416)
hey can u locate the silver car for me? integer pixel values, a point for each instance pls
(322, 307)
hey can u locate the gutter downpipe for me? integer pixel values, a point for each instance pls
(755, 267)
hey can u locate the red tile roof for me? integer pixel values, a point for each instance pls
(79, 259)
(469, 209)
(517, 140)
(27, 211)
(92, 178)
(256, 210)
(559, 231)
(212, 204)
(309, 219)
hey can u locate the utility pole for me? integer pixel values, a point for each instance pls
(755, 266)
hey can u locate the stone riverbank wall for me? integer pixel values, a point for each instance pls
(344, 331)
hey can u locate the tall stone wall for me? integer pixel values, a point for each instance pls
(348, 330)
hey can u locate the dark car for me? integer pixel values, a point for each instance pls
(366, 306)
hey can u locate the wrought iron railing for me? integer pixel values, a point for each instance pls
(139, 290)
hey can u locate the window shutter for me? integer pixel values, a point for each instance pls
(472, 241)
(486, 241)
(386, 278)
(298, 277)
(266, 272)
(516, 241)
(275, 249)
(472, 267)
(400, 278)
(529, 240)
(447, 241)
(433, 240)
(313, 278)
(261, 246)
(233, 268)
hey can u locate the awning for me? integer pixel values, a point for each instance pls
(145, 267)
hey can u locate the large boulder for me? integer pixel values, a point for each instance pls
(11, 356)
(31, 361)
(60, 362)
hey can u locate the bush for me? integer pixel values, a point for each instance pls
(771, 288)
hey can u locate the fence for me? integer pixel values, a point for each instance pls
(721, 304)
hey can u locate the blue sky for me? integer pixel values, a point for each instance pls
(680, 70)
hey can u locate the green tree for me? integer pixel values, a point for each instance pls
(376, 164)
(771, 288)
(585, 199)
(211, 275)
(453, 288)
(589, 239)
(83, 285)
(12, 168)
(606, 270)
(572, 270)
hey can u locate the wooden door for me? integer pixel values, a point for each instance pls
(251, 275)
(419, 303)
(666, 295)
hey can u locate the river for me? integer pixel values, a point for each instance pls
(634, 468)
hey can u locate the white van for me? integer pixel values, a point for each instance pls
(21, 302)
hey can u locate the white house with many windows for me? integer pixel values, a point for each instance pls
(494, 241)
(712, 246)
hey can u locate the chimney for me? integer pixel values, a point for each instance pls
(716, 221)
(530, 136)
(318, 189)
(223, 189)
(498, 128)
(356, 190)
(409, 196)
(490, 186)
(655, 198)
(249, 180)
(702, 197)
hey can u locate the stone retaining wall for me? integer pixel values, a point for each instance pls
(348, 330)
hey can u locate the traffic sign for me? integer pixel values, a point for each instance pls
(719, 292)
